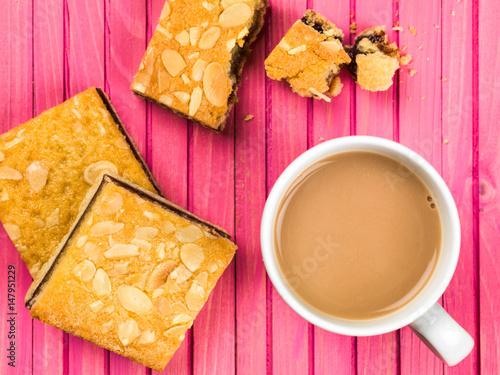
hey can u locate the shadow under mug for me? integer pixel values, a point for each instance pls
(432, 324)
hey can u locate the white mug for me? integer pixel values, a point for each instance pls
(449, 341)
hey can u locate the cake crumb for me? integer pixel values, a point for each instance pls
(248, 117)
(413, 30)
(453, 13)
(445, 141)
(421, 47)
(422, 97)
(444, 79)
(352, 15)
(353, 27)
(404, 48)
(397, 28)
(405, 59)
(436, 26)
(321, 139)
(412, 72)
(410, 98)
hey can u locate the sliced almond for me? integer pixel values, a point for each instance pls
(102, 285)
(91, 251)
(119, 269)
(8, 173)
(227, 3)
(165, 99)
(143, 244)
(165, 12)
(180, 274)
(109, 309)
(167, 227)
(202, 279)
(53, 219)
(230, 44)
(128, 332)
(111, 204)
(151, 215)
(182, 96)
(182, 38)
(159, 275)
(81, 241)
(332, 45)
(107, 326)
(146, 233)
(122, 143)
(198, 69)
(94, 171)
(163, 80)
(192, 256)
(243, 33)
(105, 228)
(4, 196)
(216, 85)
(195, 297)
(84, 270)
(191, 233)
(208, 6)
(182, 318)
(157, 293)
(2, 156)
(147, 337)
(283, 44)
(210, 38)
(37, 176)
(194, 35)
(195, 102)
(185, 78)
(122, 251)
(134, 300)
(235, 15)
(173, 61)
(177, 331)
(162, 305)
(194, 55)
(298, 49)
(96, 306)
(179, 308)
(13, 231)
(171, 286)
(160, 250)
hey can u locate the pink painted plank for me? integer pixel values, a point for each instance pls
(48, 50)
(486, 115)
(211, 196)
(420, 129)
(461, 296)
(332, 120)
(84, 47)
(375, 116)
(125, 41)
(286, 123)
(17, 107)
(167, 156)
(250, 187)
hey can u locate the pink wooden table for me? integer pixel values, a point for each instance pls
(448, 111)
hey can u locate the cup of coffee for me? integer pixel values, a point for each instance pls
(361, 236)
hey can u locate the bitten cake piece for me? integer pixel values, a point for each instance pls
(374, 60)
(48, 164)
(309, 57)
(194, 60)
(132, 274)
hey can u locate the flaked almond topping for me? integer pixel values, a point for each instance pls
(182, 96)
(171, 286)
(37, 176)
(179, 307)
(165, 99)
(227, 3)
(162, 305)
(96, 306)
(182, 38)
(157, 293)
(167, 227)
(143, 244)
(191, 233)
(119, 269)
(107, 326)
(91, 251)
(4, 196)
(111, 203)
(173, 61)
(208, 6)
(204, 24)
(320, 95)
(192, 256)
(147, 337)
(298, 49)
(243, 33)
(195, 297)
(235, 15)
(202, 279)
(180, 274)
(284, 45)
(210, 37)
(40, 223)
(109, 309)
(139, 87)
(185, 78)
(198, 69)
(81, 241)
(94, 171)
(195, 102)
(181, 318)
(163, 80)
(105, 228)
(53, 219)
(230, 44)
(84, 270)
(164, 31)
(213, 267)
(102, 285)
(177, 331)
(134, 300)
(208, 234)
(159, 275)
(193, 56)
(194, 35)
(216, 85)
(128, 332)
(8, 173)
(122, 251)
(160, 250)
(332, 45)
(146, 233)
(13, 231)
(165, 12)
(2, 156)
(151, 215)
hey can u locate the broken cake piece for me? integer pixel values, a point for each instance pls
(194, 61)
(48, 164)
(374, 60)
(309, 57)
(132, 274)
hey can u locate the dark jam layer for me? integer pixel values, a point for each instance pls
(316, 26)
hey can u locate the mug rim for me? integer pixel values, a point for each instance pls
(386, 323)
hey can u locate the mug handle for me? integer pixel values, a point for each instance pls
(442, 335)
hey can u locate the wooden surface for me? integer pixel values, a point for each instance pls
(448, 112)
